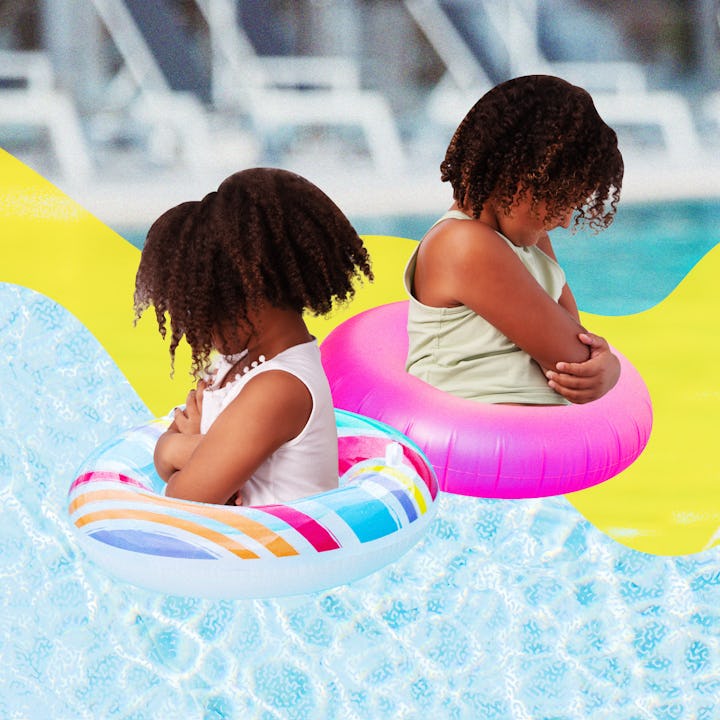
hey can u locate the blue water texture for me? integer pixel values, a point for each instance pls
(506, 609)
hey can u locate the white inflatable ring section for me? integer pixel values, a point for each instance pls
(386, 499)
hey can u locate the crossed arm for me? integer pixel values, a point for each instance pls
(270, 410)
(474, 267)
(176, 446)
(588, 380)
(581, 382)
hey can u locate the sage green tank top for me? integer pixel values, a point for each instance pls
(458, 351)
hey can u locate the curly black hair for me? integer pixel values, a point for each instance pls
(536, 136)
(265, 237)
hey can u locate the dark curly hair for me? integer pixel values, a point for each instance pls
(266, 236)
(543, 137)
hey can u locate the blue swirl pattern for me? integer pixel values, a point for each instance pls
(506, 609)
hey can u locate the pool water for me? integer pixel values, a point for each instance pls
(640, 258)
(654, 244)
(506, 609)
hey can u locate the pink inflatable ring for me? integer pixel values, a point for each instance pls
(479, 449)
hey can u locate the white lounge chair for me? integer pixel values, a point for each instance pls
(279, 92)
(655, 122)
(31, 100)
(178, 123)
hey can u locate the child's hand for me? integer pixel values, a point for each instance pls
(589, 380)
(172, 452)
(188, 421)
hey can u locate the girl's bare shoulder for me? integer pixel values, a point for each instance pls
(454, 240)
(453, 256)
(456, 245)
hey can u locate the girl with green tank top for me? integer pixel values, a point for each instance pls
(491, 317)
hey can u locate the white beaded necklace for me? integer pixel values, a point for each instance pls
(233, 360)
(253, 364)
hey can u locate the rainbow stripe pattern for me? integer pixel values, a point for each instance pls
(387, 496)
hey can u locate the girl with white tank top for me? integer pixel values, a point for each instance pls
(306, 464)
(233, 274)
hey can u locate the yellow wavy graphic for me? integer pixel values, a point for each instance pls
(53, 246)
(668, 502)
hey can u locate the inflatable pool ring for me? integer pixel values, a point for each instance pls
(386, 499)
(480, 449)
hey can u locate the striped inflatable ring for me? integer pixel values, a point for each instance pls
(386, 499)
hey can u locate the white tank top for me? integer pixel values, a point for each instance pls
(306, 465)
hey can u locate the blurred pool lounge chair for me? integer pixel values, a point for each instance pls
(30, 102)
(278, 92)
(656, 128)
(274, 93)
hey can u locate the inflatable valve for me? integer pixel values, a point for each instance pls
(393, 454)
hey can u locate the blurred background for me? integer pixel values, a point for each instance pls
(131, 106)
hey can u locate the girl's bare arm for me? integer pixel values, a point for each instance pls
(566, 299)
(473, 266)
(589, 380)
(271, 410)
